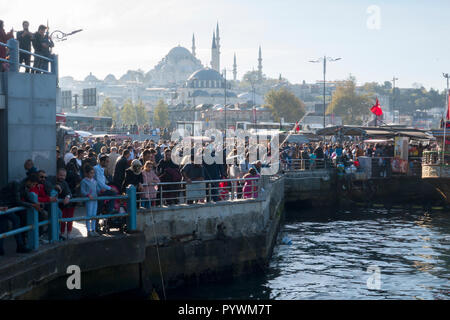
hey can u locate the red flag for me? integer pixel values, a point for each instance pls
(448, 107)
(376, 109)
(297, 127)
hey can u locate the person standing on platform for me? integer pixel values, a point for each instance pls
(89, 189)
(25, 37)
(41, 44)
(4, 37)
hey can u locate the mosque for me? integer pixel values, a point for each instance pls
(196, 83)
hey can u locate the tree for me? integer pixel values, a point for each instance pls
(130, 113)
(108, 109)
(349, 105)
(161, 115)
(284, 104)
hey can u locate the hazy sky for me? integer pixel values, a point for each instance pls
(411, 41)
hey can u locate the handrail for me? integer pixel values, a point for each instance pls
(13, 46)
(54, 219)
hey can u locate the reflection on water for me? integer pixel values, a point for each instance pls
(332, 251)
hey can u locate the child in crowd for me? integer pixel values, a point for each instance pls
(151, 181)
(89, 189)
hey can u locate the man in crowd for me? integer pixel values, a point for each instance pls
(113, 156)
(74, 173)
(42, 45)
(25, 37)
(119, 170)
(102, 188)
(64, 193)
(13, 195)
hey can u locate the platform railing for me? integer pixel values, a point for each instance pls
(14, 64)
(183, 193)
(54, 219)
(306, 164)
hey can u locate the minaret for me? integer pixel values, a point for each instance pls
(215, 59)
(234, 68)
(193, 45)
(260, 65)
(218, 38)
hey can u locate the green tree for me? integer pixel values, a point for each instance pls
(347, 104)
(108, 109)
(130, 113)
(284, 104)
(161, 115)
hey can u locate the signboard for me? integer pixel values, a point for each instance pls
(66, 99)
(90, 97)
(401, 150)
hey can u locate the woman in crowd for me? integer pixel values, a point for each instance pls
(250, 189)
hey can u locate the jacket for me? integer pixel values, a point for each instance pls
(119, 171)
(151, 180)
(88, 187)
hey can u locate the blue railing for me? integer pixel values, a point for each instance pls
(33, 224)
(14, 50)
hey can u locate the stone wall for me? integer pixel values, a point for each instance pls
(317, 186)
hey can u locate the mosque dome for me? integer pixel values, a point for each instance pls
(179, 53)
(206, 74)
(91, 78)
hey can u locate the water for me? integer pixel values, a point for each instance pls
(331, 252)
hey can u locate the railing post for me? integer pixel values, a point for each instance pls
(33, 220)
(132, 208)
(54, 217)
(13, 55)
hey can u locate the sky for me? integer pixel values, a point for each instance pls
(376, 40)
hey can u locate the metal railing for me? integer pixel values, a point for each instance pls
(182, 193)
(14, 64)
(54, 219)
(306, 164)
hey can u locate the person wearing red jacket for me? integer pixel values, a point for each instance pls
(42, 189)
(4, 37)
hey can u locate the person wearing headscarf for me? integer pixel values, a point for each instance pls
(133, 175)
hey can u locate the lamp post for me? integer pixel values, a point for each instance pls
(252, 81)
(225, 93)
(393, 99)
(447, 76)
(324, 60)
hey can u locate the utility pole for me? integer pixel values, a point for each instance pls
(393, 100)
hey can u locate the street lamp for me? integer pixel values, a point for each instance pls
(324, 60)
(447, 76)
(393, 100)
(253, 81)
(225, 100)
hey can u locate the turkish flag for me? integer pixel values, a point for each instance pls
(376, 109)
(448, 107)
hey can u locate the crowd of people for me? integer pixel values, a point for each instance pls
(39, 40)
(107, 167)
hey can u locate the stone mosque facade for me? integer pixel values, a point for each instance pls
(178, 67)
